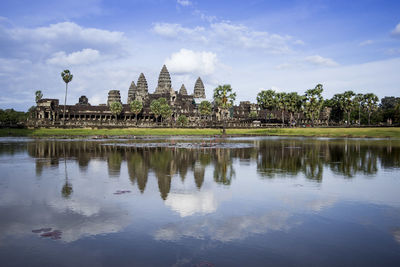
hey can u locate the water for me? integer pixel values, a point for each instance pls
(200, 202)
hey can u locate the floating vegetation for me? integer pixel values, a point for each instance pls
(46, 232)
(120, 192)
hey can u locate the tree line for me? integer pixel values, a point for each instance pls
(343, 108)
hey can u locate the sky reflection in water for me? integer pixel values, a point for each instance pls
(245, 201)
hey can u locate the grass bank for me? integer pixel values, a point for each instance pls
(312, 132)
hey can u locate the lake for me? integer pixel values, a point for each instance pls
(251, 201)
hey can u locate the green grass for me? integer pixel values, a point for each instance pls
(315, 132)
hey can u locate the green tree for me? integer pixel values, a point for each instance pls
(358, 103)
(205, 108)
(136, 107)
(116, 109)
(266, 100)
(166, 112)
(345, 103)
(313, 102)
(38, 95)
(282, 102)
(371, 104)
(224, 98)
(253, 115)
(182, 120)
(294, 104)
(155, 107)
(67, 78)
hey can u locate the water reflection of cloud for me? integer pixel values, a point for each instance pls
(226, 230)
(188, 204)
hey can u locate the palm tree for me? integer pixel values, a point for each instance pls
(266, 100)
(205, 108)
(358, 102)
(116, 109)
(282, 102)
(136, 107)
(155, 107)
(371, 104)
(223, 98)
(67, 77)
(294, 102)
(348, 103)
(313, 102)
(38, 95)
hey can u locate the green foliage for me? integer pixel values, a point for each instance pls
(182, 120)
(205, 108)
(166, 111)
(67, 76)
(370, 104)
(266, 99)
(136, 106)
(253, 115)
(161, 108)
(38, 95)
(155, 107)
(313, 102)
(10, 117)
(224, 96)
(116, 108)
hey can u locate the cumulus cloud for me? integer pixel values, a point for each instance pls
(229, 34)
(184, 2)
(396, 31)
(188, 61)
(321, 61)
(68, 31)
(173, 30)
(84, 56)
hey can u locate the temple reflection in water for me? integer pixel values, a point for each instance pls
(274, 159)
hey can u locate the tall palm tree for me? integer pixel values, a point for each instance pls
(313, 102)
(223, 98)
(67, 77)
(266, 100)
(371, 104)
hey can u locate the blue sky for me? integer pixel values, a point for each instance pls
(252, 45)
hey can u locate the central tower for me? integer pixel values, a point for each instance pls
(164, 82)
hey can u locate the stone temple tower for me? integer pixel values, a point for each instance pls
(113, 96)
(131, 92)
(199, 91)
(164, 82)
(142, 90)
(183, 91)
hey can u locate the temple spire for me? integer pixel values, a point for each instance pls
(183, 90)
(131, 92)
(164, 81)
(199, 91)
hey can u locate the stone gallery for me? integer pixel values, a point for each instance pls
(49, 112)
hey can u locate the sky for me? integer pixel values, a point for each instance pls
(252, 45)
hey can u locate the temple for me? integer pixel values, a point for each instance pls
(49, 113)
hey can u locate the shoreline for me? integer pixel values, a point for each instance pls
(131, 133)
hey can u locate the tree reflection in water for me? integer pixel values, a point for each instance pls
(273, 158)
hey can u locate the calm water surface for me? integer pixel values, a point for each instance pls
(188, 202)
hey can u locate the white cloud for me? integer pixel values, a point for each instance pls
(67, 32)
(84, 56)
(228, 34)
(171, 30)
(396, 31)
(366, 42)
(189, 204)
(184, 2)
(321, 61)
(188, 61)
